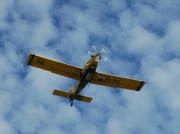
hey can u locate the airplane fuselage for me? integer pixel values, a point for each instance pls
(86, 74)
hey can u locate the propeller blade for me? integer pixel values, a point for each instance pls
(94, 48)
(102, 51)
(104, 58)
(90, 53)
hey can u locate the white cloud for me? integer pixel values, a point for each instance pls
(143, 42)
(6, 128)
(126, 19)
(172, 40)
(4, 8)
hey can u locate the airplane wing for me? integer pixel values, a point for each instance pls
(54, 66)
(117, 82)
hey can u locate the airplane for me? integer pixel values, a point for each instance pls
(85, 75)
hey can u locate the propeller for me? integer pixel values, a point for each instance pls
(101, 52)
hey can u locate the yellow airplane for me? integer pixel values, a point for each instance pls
(84, 76)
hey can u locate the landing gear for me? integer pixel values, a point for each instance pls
(100, 78)
(71, 103)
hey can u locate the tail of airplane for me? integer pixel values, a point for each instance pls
(68, 95)
(72, 90)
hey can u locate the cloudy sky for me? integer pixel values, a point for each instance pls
(141, 39)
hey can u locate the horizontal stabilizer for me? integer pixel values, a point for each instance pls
(68, 95)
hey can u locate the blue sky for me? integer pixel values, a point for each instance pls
(141, 39)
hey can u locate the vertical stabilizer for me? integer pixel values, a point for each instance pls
(72, 91)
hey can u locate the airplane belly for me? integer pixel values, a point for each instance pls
(89, 75)
(79, 87)
(84, 81)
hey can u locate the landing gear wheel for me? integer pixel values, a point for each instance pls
(100, 78)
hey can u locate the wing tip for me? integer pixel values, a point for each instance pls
(30, 59)
(84, 98)
(140, 86)
(61, 93)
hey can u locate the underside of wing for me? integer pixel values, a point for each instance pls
(117, 82)
(54, 66)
